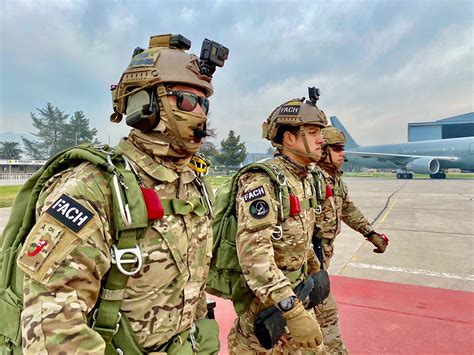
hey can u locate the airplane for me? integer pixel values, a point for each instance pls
(422, 157)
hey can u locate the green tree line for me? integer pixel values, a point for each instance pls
(56, 131)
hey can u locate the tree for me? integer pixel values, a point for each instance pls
(50, 125)
(209, 150)
(10, 150)
(55, 133)
(77, 131)
(233, 152)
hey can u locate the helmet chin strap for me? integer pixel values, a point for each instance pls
(307, 154)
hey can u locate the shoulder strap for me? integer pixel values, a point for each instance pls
(279, 182)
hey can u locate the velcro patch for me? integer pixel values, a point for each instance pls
(289, 110)
(259, 209)
(70, 213)
(44, 239)
(253, 194)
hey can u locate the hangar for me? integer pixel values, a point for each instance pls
(451, 127)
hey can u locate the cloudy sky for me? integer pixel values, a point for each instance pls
(379, 64)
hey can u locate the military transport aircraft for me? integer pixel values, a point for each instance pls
(423, 157)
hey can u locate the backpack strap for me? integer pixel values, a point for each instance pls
(130, 221)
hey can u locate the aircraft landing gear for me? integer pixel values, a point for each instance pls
(440, 175)
(404, 175)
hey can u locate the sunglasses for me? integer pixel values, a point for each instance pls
(187, 101)
(337, 148)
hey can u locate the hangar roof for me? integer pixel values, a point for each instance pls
(464, 118)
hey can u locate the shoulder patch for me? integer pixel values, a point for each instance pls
(259, 209)
(254, 193)
(44, 237)
(70, 213)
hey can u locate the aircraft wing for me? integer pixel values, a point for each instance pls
(400, 159)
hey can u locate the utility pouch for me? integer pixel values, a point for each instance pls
(321, 288)
(303, 291)
(317, 247)
(269, 327)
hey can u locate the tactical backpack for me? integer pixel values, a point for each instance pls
(225, 278)
(131, 212)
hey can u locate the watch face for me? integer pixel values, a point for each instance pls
(287, 303)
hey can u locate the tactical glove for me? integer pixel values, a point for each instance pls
(303, 326)
(379, 240)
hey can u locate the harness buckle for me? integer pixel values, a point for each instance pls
(118, 258)
(318, 209)
(277, 234)
(94, 319)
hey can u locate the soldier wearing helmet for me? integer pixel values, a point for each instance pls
(84, 283)
(275, 254)
(337, 208)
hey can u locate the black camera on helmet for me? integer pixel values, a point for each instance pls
(313, 93)
(212, 54)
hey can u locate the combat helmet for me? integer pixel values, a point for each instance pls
(333, 136)
(296, 112)
(143, 85)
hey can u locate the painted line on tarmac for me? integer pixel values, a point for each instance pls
(411, 271)
(384, 217)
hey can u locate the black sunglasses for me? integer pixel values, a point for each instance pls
(187, 101)
(337, 148)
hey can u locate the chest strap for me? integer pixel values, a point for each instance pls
(183, 207)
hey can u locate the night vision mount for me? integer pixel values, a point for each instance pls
(314, 93)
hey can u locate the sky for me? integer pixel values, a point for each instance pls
(379, 64)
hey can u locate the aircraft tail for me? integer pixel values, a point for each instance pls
(350, 141)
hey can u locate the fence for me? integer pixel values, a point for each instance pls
(13, 179)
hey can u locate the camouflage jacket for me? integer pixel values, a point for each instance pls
(266, 256)
(64, 264)
(337, 208)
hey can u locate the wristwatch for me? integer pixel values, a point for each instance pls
(286, 304)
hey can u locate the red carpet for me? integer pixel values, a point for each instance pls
(390, 318)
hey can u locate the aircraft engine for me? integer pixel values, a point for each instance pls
(424, 166)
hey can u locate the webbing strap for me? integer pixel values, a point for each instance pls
(307, 203)
(107, 316)
(183, 207)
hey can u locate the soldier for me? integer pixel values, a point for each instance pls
(164, 93)
(336, 208)
(276, 256)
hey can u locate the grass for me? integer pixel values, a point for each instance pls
(8, 193)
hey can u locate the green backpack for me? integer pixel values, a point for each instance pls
(130, 220)
(225, 278)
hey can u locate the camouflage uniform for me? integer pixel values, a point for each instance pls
(63, 281)
(66, 255)
(336, 209)
(266, 258)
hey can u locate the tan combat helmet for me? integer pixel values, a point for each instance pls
(296, 112)
(333, 136)
(163, 62)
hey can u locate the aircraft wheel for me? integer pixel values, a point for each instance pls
(399, 176)
(443, 176)
(410, 175)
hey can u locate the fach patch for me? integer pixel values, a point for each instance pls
(70, 213)
(259, 209)
(290, 110)
(253, 194)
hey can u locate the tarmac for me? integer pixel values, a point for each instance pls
(417, 297)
